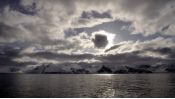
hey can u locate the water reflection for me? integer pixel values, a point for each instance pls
(113, 85)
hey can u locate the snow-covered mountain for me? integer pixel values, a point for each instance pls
(88, 69)
(121, 70)
(80, 71)
(59, 69)
(39, 69)
(104, 70)
(85, 68)
(163, 68)
(136, 70)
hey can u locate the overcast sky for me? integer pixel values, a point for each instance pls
(124, 32)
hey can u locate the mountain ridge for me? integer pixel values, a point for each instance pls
(85, 68)
(101, 69)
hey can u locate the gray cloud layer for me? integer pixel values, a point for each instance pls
(8, 54)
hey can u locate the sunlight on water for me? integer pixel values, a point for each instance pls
(90, 86)
(105, 74)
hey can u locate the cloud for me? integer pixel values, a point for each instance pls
(29, 49)
(154, 51)
(79, 42)
(8, 56)
(84, 35)
(130, 58)
(61, 57)
(7, 61)
(12, 17)
(79, 23)
(17, 34)
(129, 46)
(100, 41)
(9, 33)
(113, 47)
(170, 30)
(23, 57)
(46, 26)
(51, 18)
(20, 34)
(70, 45)
(168, 52)
(147, 17)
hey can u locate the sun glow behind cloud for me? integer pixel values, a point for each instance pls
(109, 38)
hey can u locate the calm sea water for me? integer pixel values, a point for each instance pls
(87, 85)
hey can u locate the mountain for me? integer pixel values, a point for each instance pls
(163, 68)
(118, 69)
(80, 71)
(134, 70)
(39, 69)
(84, 65)
(85, 68)
(120, 72)
(147, 67)
(97, 68)
(59, 69)
(104, 70)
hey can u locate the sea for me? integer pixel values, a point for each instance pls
(87, 85)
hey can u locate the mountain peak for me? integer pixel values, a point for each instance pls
(104, 69)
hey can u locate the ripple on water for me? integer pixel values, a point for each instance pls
(91, 86)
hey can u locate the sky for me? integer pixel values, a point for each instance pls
(122, 32)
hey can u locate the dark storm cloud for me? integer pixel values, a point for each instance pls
(8, 54)
(169, 52)
(9, 51)
(131, 58)
(163, 51)
(7, 61)
(113, 47)
(134, 59)
(127, 58)
(60, 56)
(100, 41)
